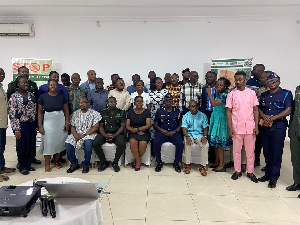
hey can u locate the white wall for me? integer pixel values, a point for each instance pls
(77, 45)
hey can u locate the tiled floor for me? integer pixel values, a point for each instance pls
(151, 198)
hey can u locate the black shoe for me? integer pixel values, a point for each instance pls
(32, 169)
(243, 168)
(252, 177)
(177, 167)
(73, 168)
(293, 187)
(220, 170)
(229, 164)
(36, 161)
(263, 178)
(236, 175)
(272, 184)
(299, 196)
(103, 166)
(116, 167)
(263, 169)
(257, 164)
(62, 160)
(159, 166)
(85, 169)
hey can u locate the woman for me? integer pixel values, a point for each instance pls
(138, 123)
(53, 124)
(22, 114)
(156, 100)
(174, 89)
(218, 134)
(139, 92)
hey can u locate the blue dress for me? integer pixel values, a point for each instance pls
(218, 134)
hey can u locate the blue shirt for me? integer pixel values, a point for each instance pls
(97, 101)
(254, 83)
(195, 124)
(88, 86)
(132, 89)
(60, 89)
(168, 120)
(206, 105)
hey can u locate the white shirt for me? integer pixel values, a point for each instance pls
(146, 99)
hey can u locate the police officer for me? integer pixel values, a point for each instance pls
(275, 105)
(168, 124)
(111, 130)
(294, 133)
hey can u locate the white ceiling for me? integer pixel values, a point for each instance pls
(162, 9)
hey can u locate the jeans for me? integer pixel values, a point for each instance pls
(2, 147)
(88, 147)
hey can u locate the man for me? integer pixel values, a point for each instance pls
(257, 71)
(242, 120)
(132, 88)
(3, 126)
(65, 79)
(60, 88)
(275, 105)
(167, 79)
(75, 93)
(207, 108)
(113, 78)
(167, 122)
(150, 85)
(122, 96)
(294, 134)
(12, 88)
(195, 129)
(84, 126)
(90, 83)
(111, 130)
(185, 76)
(97, 97)
(190, 91)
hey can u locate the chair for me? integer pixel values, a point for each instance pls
(168, 151)
(195, 154)
(146, 158)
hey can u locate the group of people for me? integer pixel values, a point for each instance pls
(246, 118)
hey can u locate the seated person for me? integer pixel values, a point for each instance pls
(138, 123)
(167, 122)
(84, 126)
(195, 129)
(111, 130)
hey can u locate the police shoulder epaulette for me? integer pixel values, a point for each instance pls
(102, 110)
(13, 81)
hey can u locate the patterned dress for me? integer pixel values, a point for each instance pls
(175, 92)
(156, 101)
(74, 96)
(218, 134)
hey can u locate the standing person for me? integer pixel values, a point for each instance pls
(53, 123)
(156, 101)
(112, 126)
(84, 126)
(122, 96)
(75, 93)
(167, 79)
(113, 78)
(174, 89)
(207, 108)
(65, 79)
(257, 71)
(185, 76)
(150, 85)
(275, 105)
(90, 83)
(22, 114)
(167, 122)
(132, 88)
(195, 130)
(97, 97)
(139, 92)
(294, 134)
(138, 123)
(3, 126)
(242, 119)
(190, 91)
(218, 135)
(12, 88)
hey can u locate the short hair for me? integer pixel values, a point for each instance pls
(52, 72)
(155, 79)
(22, 67)
(65, 75)
(115, 74)
(110, 97)
(225, 81)
(240, 72)
(261, 65)
(19, 78)
(268, 72)
(52, 80)
(119, 79)
(212, 72)
(140, 81)
(186, 70)
(136, 75)
(99, 78)
(136, 97)
(193, 101)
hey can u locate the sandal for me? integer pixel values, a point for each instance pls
(47, 169)
(58, 166)
(8, 170)
(3, 178)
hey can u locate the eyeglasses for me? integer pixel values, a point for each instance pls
(272, 81)
(193, 106)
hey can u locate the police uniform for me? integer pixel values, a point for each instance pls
(295, 137)
(168, 121)
(111, 124)
(273, 137)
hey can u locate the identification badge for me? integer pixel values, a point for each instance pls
(263, 104)
(161, 120)
(105, 123)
